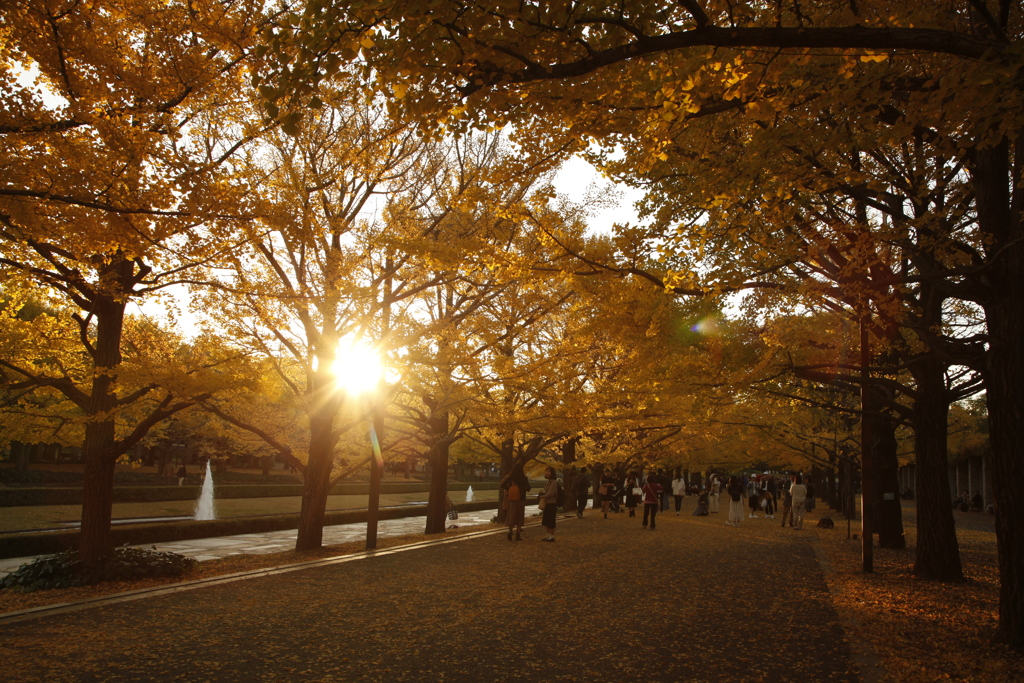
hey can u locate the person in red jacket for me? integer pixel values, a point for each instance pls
(652, 490)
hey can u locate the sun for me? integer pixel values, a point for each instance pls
(357, 368)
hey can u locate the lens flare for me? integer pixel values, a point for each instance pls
(706, 326)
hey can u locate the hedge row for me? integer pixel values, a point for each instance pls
(49, 542)
(10, 475)
(148, 494)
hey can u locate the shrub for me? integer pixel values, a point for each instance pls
(65, 570)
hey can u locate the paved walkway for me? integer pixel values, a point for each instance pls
(693, 601)
(204, 549)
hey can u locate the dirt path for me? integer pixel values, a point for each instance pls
(693, 601)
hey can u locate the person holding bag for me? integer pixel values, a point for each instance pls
(549, 503)
(652, 492)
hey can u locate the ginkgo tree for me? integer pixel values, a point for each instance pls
(116, 135)
(936, 70)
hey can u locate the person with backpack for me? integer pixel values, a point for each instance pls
(516, 487)
(549, 502)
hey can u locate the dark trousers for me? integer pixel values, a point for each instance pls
(581, 503)
(679, 503)
(652, 510)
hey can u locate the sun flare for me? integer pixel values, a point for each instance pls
(358, 368)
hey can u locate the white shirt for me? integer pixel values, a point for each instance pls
(799, 492)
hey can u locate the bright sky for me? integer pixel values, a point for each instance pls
(578, 180)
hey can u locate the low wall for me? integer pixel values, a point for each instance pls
(49, 542)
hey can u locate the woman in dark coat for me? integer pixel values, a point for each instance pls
(632, 500)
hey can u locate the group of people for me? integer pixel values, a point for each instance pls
(973, 503)
(763, 491)
(617, 493)
(516, 487)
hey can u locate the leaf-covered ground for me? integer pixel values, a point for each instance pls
(924, 631)
(693, 601)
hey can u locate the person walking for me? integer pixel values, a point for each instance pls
(550, 498)
(735, 491)
(582, 488)
(182, 473)
(787, 506)
(799, 492)
(665, 479)
(606, 490)
(753, 496)
(516, 487)
(715, 493)
(632, 499)
(678, 491)
(768, 503)
(652, 492)
(773, 489)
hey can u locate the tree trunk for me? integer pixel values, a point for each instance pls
(831, 494)
(569, 473)
(504, 469)
(437, 510)
(98, 446)
(20, 453)
(999, 218)
(938, 552)
(317, 476)
(887, 501)
(97, 491)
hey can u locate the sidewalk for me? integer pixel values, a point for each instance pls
(693, 601)
(203, 549)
